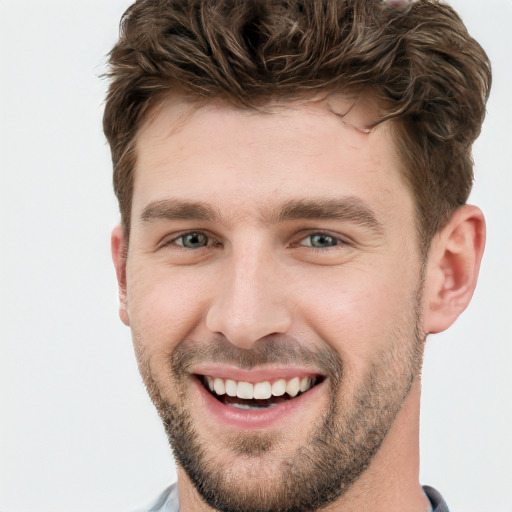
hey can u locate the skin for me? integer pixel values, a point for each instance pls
(363, 297)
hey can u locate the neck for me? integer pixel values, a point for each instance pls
(390, 483)
(392, 480)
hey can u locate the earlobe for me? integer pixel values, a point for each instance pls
(452, 268)
(119, 252)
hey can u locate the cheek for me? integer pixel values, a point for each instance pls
(164, 307)
(359, 312)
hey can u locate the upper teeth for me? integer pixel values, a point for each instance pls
(259, 390)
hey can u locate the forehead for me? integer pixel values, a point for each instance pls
(327, 146)
(357, 113)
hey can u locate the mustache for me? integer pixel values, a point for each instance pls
(281, 350)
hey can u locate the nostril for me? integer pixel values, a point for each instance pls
(245, 316)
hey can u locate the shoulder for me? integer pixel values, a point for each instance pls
(438, 503)
(166, 502)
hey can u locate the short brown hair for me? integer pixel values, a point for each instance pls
(433, 77)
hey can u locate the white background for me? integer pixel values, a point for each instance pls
(77, 432)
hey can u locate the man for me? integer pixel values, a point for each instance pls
(292, 179)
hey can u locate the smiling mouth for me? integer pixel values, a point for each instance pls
(258, 395)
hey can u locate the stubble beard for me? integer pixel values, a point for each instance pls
(342, 444)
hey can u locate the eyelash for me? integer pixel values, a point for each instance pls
(338, 241)
(211, 241)
(173, 241)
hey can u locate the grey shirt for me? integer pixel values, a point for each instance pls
(168, 501)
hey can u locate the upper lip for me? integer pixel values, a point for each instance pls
(270, 373)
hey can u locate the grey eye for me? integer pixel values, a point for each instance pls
(321, 241)
(194, 240)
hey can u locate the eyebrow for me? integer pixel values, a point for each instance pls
(174, 209)
(349, 209)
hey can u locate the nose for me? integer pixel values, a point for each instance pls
(250, 302)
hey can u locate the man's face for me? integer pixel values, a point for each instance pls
(271, 253)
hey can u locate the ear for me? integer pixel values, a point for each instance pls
(119, 246)
(452, 268)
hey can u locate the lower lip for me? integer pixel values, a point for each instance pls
(257, 419)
